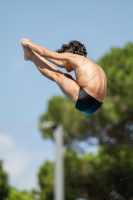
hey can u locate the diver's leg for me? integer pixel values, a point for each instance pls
(68, 86)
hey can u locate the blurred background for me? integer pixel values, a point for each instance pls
(98, 158)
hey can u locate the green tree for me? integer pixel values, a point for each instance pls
(15, 194)
(113, 123)
(61, 110)
(4, 187)
(107, 175)
(113, 170)
(46, 181)
(117, 115)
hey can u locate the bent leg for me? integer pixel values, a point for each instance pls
(68, 86)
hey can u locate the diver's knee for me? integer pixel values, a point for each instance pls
(57, 76)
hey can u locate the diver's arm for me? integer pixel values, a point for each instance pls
(59, 63)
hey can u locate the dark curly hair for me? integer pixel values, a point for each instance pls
(74, 47)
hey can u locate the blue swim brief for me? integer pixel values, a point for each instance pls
(86, 103)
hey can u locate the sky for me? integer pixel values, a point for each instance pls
(24, 92)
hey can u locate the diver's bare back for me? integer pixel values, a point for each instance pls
(92, 78)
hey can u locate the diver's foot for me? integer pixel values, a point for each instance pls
(27, 52)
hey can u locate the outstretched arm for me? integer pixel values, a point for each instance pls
(43, 51)
(59, 63)
(72, 59)
(62, 64)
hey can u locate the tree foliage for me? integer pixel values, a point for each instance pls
(62, 111)
(9, 193)
(117, 116)
(15, 194)
(113, 123)
(46, 181)
(4, 187)
(107, 175)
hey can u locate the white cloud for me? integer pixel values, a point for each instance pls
(6, 142)
(21, 164)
